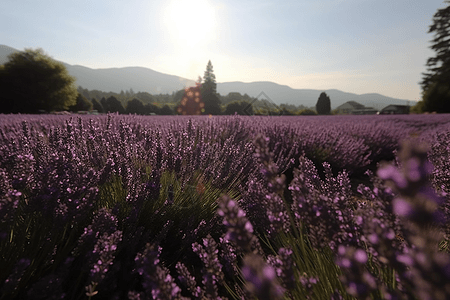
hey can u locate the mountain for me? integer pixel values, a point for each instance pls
(138, 78)
(308, 97)
(147, 80)
(116, 79)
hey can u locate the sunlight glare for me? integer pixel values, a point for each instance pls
(191, 23)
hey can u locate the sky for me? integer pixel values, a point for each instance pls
(356, 46)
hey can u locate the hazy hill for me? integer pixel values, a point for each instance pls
(147, 80)
(138, 78)
(307, 97)
(116, 79)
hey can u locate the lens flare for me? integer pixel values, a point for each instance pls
(191, 103)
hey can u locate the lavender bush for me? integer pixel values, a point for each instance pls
(134, 207)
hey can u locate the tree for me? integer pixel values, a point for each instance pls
(435, 83)
(239, 107)
(209, 92)
(323, 105)
(32, 81)
(113, 105)
(151, 109)
(418, 108)
(82, 104)
(104, 105)
(178, 95)
(437, 98)
(97, 106)
(209, 80)
(135, 106)
(166, 110)
(231, 97)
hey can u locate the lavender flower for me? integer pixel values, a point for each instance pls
(358, 281)
(212, 270)
(157, 281)
(273, 202)
(104, 253)
(308, 283)
(418, 205)
(239, 229)
(323, 207)
(261, 279)
(284, 266)
(104, 222)
(188, 280)
(228, 257)
(417, 200)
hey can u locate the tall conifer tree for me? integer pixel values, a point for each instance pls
(209, 92)
(436, 82)
(323, 105)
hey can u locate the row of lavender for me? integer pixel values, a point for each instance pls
(127, 206)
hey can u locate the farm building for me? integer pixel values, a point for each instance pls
(395, 110)
(365, 111)
(355, 108)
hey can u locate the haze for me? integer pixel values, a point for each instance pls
(357, 46)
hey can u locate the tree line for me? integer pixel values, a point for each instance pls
(32, 82)
(436, 80)
(184, 101)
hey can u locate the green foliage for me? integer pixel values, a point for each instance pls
(97, 106)
(209, 80)
(233, 97)
(153, 103)
(286, 112)
(82, 104)
(151, 109)
(32, 81)
(178, 95)
(418, 108)
(209, 92)
(145, 97)
(135, 106)
(166, 110)
(437, 98)
(323, 105)
(307, 112)
(435, 83)
(239, 107)
(112, 105)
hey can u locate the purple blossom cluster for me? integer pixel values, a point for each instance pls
(117, 207)
(402, 221)
(323, 207)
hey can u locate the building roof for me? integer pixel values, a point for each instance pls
(353, 104)
(396, 106)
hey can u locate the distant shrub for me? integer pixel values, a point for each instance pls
(82, 104)
(239, 107)
(307, 112)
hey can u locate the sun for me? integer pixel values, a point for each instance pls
(191, 22)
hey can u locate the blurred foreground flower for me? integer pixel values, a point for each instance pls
(421, 210)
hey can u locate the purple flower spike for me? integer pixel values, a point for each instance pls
(285, 267)
(261, 278)
(402, 207)
(240, 230)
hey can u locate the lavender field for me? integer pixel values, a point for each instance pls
(224, 207)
